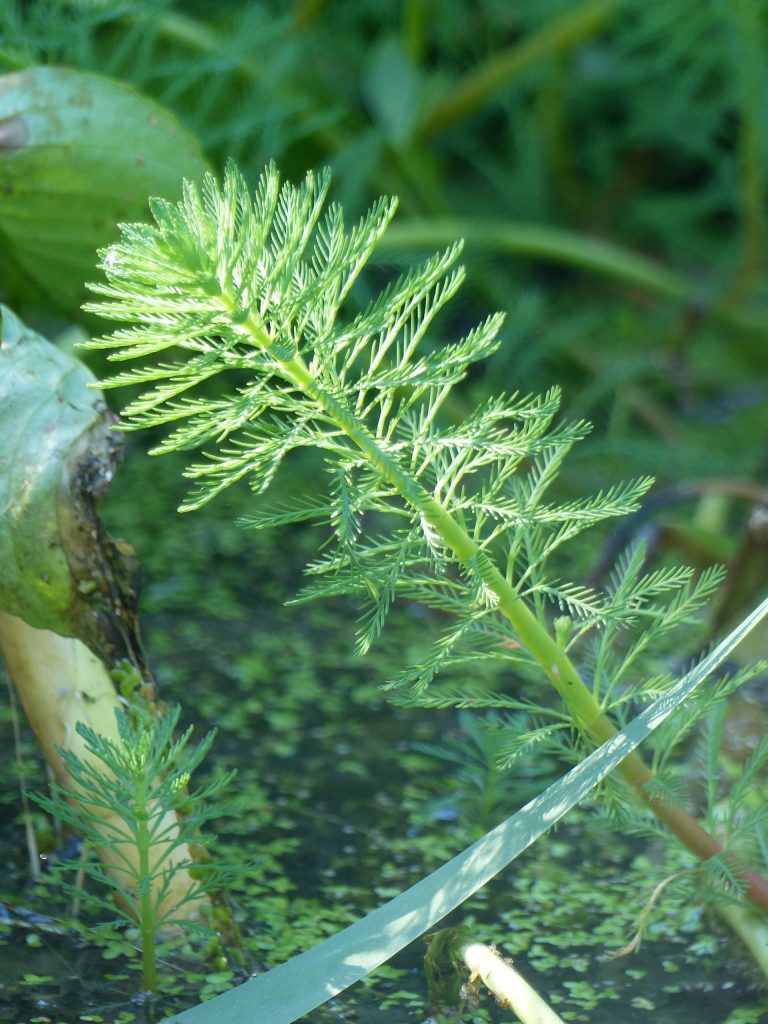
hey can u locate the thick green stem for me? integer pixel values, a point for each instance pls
(534, 636)
(752, 930)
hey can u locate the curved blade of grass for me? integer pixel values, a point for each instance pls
(295, 988)
(592, 255)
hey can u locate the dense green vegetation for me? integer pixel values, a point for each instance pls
(604, 162)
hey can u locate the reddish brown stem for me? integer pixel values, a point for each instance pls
(683, 825)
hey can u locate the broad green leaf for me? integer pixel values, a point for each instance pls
(288, 992)
(58, 569)
(79, 154)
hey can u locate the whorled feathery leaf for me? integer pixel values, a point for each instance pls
(250, 288)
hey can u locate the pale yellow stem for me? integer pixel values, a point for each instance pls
(509, 987)
(60, 682)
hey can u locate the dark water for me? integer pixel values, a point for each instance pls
(353, 852)
(342, 811)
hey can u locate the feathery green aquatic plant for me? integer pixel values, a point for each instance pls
(249, 288)
(128, 789)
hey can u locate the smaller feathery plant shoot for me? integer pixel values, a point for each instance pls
(136, 791)
(250, 288)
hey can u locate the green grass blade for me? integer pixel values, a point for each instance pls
(286, 993)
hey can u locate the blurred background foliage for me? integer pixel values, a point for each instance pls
(605, 162)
